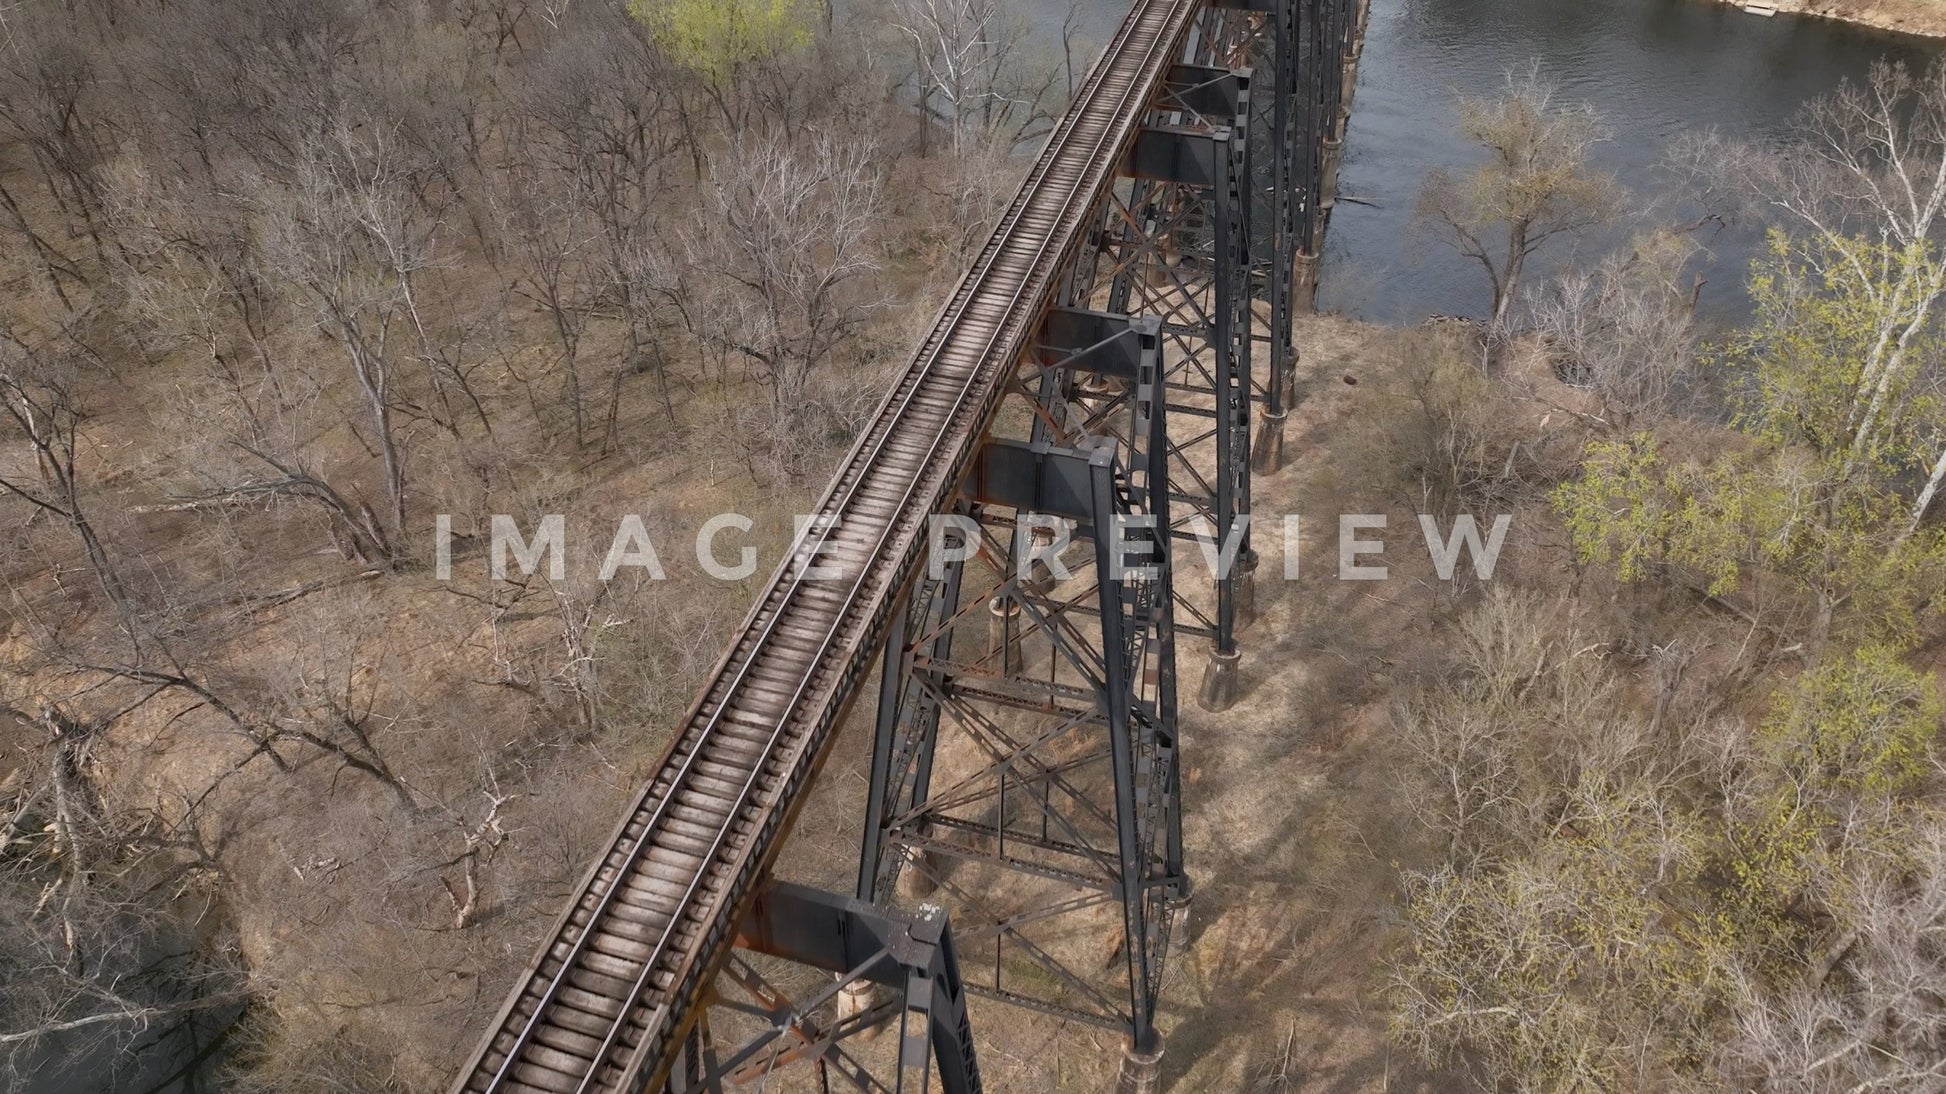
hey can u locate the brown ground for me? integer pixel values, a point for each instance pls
(1922, 17)
(1293, 831)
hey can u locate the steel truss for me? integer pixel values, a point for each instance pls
(1027, 718)
(1025, 762)
(1174, 244)
(889, 968)
(1026, 768)
(1305, 49)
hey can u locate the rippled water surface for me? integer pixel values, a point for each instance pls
(1655, 68)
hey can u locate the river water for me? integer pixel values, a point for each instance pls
(1654, 68)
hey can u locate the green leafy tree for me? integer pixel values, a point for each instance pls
(1844, 747)
(1844, 336)
(714, 37)
(1816, 501)
(1856, 725)
(1763, 520)
(1865, 184)
(1633, 909)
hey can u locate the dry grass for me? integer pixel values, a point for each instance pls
(1293, 833)
(1922, 17)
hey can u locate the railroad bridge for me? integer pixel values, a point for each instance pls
(1003, 549)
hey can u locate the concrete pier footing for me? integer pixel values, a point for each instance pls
(856, 998)
(915, 879)
(1246, 591)
(1039, 579)
(1305, 284)
(1141, 1071)
(1219, 692)
(1267, 454)
(1179, 922)
(1334, 154)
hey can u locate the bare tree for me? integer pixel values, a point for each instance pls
(49, 105)
(552, 238)
(94, 965)
(330, 697)
(192, 277)
(478, 842)
(1535, 187)
(972, 71)
(1870, 1018)
(1625, 329)
(350, 235)
(791, 251)
(602, 129)
(38, 380)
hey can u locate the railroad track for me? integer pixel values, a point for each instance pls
(616, 984)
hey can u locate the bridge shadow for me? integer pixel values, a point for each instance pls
(1294, 834)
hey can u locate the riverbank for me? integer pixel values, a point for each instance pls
(1655, 69)
(1926, 18)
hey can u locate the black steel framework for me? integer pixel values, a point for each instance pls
(1027, 725)
(1175, 245)
(1303, 51)
(1083, 408)
(1026, 765)
(883, 968)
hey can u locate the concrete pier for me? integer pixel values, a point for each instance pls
(915, 879)
(1306, 283)
(1219, 692)
(1141, 1069)
(1267, 453)
(856, 998)
(1179, 921)
(1246, 590)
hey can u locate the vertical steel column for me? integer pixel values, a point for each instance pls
(1056, 765)
(893, 668)
(907, 726)
(1340, 29)
(1337, 44)
(1229, 39)
(1121, 748)
(1178, 248)
(1235, 601)
(1315, 71)
(879, 968)
(1287, 200)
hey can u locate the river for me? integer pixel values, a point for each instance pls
(1654, 68)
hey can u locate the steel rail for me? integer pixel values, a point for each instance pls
(1078, 161)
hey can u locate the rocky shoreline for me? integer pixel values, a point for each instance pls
(1923, 18)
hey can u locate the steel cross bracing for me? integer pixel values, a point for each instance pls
(873, 968)
(1301, 51)
(1024, 766)
(1175, 245)
(1014, 779)
(1041, 747)
(615, 987)
(1330, 33)
(1222, 252)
